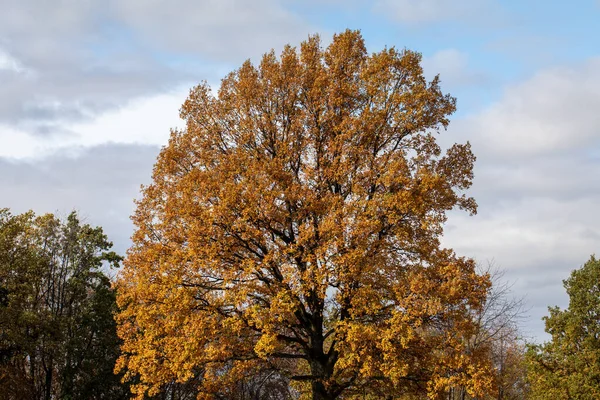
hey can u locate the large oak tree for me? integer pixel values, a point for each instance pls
(294, 226)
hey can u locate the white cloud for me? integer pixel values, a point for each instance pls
(10, 63)
(142, 121)
(554, 111)
(16, 143)
(530, 232)
(93, 56)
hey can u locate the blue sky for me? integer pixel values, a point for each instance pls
(90, 89)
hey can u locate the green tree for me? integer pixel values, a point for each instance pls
(568, 366)
(57, 331)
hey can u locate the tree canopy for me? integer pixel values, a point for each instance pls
(568, 366)
(294, 225)
(57, 332)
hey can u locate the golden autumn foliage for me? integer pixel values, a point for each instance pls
(294, 226)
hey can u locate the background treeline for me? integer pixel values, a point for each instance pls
(58, 335)
(56, 310)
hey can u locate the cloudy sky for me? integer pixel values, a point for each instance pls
(90, 88)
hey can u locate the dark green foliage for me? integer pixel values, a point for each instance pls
(57, 332)
(568, 367)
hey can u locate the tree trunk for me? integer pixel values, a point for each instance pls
(319, 392)
(48, 394)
